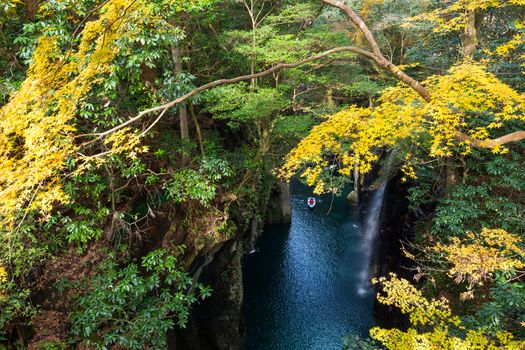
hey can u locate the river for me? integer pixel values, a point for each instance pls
(303, 285)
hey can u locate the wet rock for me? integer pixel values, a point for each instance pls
(214, 323)
(279, 207)
(353, 197)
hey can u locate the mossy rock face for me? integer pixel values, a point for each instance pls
(279, 208)
(214, 323)
(274, 215)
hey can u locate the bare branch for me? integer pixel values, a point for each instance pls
(491, 143)
(359, 23)
(154, 122)
(377, 56)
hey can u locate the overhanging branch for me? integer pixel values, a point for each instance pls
(375, 55)
(491, 143)
(381, 60)
(164, 107)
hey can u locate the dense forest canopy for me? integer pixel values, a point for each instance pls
(136, 136)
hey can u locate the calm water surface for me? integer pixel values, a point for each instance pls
(301, 286)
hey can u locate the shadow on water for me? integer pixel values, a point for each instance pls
(301, 286)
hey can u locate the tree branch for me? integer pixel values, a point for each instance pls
(164, 107)
(378, 57)
(375, 55)
(358, 22)
(491, 143)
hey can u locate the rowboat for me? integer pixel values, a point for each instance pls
(311, 202)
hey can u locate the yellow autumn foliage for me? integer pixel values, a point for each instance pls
(353, 136)
(37, 124)
(403, 295)
(3, 274)
(3, 280)
(513, 44)
(433, 326)
(476, 258)
(455, 17)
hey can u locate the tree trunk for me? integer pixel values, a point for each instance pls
(31, 9)
(450, 173)
(197, 129)
(183, 111)
(329, 99)
(183, 118)
(470, 34)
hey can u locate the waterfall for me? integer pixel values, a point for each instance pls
(371, 230)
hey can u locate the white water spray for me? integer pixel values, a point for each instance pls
(371, 230)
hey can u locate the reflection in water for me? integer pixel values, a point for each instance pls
(301, 286)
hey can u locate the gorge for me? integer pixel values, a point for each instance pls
(302, 282)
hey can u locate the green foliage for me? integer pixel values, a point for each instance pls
(503, 309)
(363, 88)
(293, 126)
(120, 306)
(239, 106)
(51, 345)
(81, 231)
(189, 184)
(16, 307)
(216, 169)
(21, 255)
(198, 185)
(488, 193)
(491, 194)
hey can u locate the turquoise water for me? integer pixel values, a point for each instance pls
(302, 283)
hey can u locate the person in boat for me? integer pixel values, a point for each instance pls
(311, 202)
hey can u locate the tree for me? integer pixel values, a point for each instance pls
(433, 326)
(404, 117)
